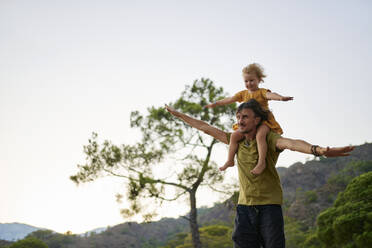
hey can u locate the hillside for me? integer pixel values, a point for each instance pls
(308, 189)
(314, 174)
(15, 231)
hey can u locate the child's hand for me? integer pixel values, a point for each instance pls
(286, 98)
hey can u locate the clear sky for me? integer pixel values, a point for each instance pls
(68, 68)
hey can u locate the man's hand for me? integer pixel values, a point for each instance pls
(286, 98)
(304, 147)
(336, 151)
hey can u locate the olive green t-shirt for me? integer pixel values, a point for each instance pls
(258, 189)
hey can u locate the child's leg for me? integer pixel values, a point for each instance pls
(262, 131)
(233, 147)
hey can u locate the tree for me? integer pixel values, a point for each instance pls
(29, 242)
(53, 239)
(163, 136)
(349, 222)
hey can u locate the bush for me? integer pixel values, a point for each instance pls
(349, 222)
(29, 242)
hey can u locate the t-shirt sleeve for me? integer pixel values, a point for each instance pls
(239, 96)
(271, 139)
(263, 92)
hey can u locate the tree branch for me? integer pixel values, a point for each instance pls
(186, 218)
(168, 183)
(172, 199)
(220, 191)
(150, 180)
(117, 175)
(205, 166)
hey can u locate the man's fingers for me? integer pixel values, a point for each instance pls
(338, 151)
(337, 155)
(172, 111)
(169, 109)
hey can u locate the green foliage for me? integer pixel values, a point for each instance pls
(177, 241)
(310, 197)
(294, 232)
(349, 222)
(41, 234)
(54, 240)
(312, 240)
(298, 235)
(352, 169)
(29, 242)
(213, 236)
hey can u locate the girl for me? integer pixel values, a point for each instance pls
(253, 75)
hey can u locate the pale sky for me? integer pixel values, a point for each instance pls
(68, 68)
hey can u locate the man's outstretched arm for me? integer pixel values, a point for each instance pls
(201, 125)
(304, 147)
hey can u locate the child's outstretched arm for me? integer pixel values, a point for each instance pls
(221, 102)
(277, 97)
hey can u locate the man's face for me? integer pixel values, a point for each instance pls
(247, 121)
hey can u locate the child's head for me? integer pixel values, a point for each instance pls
(253, 74)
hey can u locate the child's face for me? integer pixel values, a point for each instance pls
(251, 81)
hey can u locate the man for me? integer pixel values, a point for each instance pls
(259, 219)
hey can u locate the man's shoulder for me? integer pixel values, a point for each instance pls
(271, 139)
(272, 135)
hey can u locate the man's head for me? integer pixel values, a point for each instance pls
(250, 115)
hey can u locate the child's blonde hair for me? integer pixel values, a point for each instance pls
(256, 68)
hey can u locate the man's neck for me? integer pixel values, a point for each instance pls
(251, 135)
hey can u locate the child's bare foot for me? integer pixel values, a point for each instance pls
(227, 165)
(259, 168)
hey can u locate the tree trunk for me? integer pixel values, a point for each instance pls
(193, 221)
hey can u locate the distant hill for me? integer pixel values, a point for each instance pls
(308, 189)
(14, 231)
(96, 231)
(4, 243)
(314, 174)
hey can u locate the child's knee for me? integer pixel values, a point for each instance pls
(262, 132)
(261, 136)
(236, 136)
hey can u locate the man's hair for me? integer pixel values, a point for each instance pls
(256, 108)
(255, 68)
